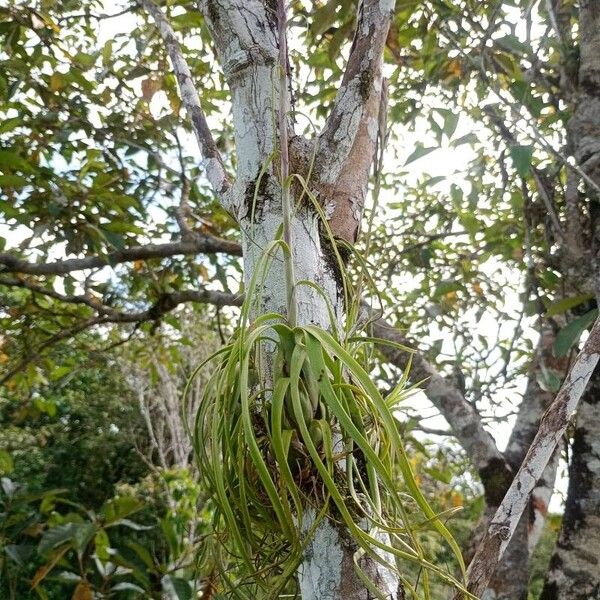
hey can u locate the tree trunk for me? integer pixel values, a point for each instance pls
(511, 579)
(495, 469)
(575, 565)
(553, 427)
(245, 33)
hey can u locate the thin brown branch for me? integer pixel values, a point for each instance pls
(164, 304)
(200, 243)
(88, 15)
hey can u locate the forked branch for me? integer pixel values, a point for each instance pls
(346, 146)
(107, 314)
(361, 80)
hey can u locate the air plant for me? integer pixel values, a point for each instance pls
(316, 433)
(292, 422)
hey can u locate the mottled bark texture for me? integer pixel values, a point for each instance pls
(347, 143)
(580, 253)
(511, 579)
(245, 34)
(575, 565)
(552, 427)
(574, 572)
(211, 158)
(495, 469)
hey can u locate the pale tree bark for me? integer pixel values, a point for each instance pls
(464, 420)
(511, 578)
(552, 427)
(496, 469)
(160, 383)
(245, 34)
(574, 572)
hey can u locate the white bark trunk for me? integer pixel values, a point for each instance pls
(328, 571)
(245, 34)
(309, 264)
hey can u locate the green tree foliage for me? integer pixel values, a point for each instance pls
(74, 430)
(82, 508)
(97, 165)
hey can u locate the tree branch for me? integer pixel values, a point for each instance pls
(346, 146)
(535, 399)
(552, 427)
(106, 314)
(199, 244)
(361, 81)
(164, 304)
(511, 574)
(463, 419)
(211, 157)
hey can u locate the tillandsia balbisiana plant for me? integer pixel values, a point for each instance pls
(292, 430)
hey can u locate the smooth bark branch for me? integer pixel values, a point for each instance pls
(552, 427)
(511, 577)
(535, 402)
(211, 157)
(464, 420)
(199, 244)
